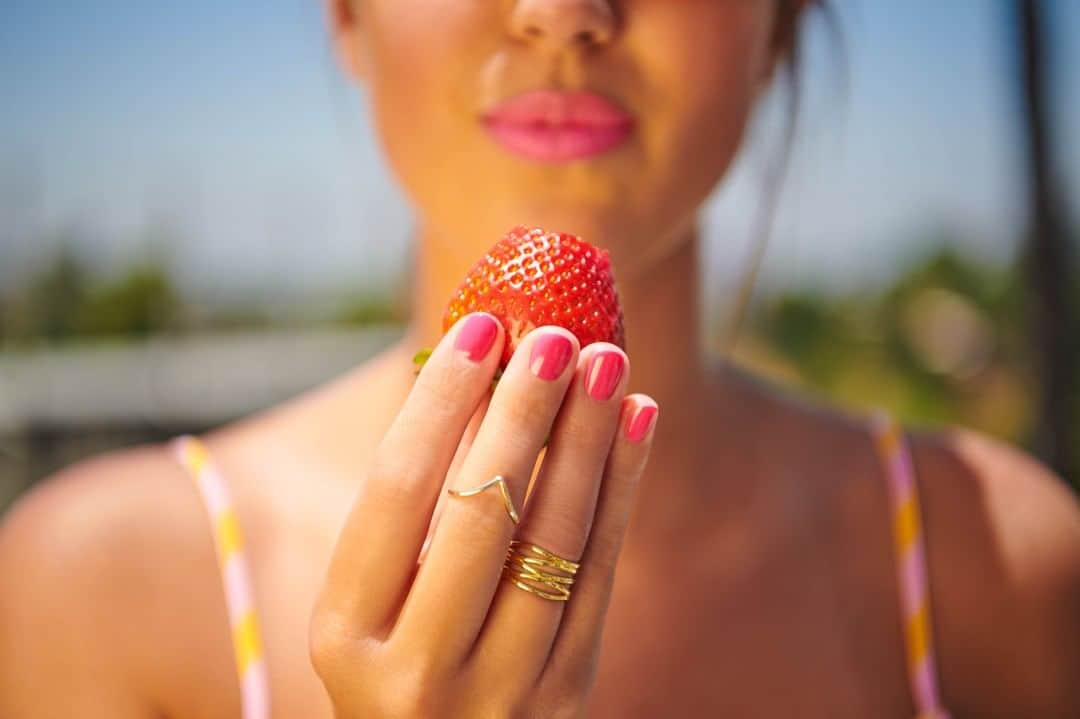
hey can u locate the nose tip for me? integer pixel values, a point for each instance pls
(563, 24)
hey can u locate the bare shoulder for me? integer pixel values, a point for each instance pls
(1004, 551)
(1003, 539)
(107, 574)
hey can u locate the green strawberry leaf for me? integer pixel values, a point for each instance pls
(420, 358)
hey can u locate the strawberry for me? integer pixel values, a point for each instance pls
(532, 278)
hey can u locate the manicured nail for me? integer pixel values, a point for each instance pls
(641, 421)
(423, 549)
(550, 355)
(605, 371)
(476, 336)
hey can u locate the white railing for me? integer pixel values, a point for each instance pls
(196, 380)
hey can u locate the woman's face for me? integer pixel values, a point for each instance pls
(612, 120)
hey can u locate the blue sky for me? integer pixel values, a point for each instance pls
(225, 126)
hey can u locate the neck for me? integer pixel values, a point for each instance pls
(664, 342)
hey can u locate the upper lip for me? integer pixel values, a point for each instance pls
(559, 108)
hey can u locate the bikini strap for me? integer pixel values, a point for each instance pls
(229, 543)
(911, 570)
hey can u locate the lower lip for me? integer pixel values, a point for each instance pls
(557, 143)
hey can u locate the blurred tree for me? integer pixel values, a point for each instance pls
(44, 309)
(64, 302)
(942, 344)
(1048, 257)
(812, 331)
(138, 303)
(366, 309)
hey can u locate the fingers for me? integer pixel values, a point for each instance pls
(578, 639)
(521, 627)
(457, 581)
(377, 549)
(455, 466)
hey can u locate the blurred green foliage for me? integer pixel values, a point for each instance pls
(371, 308)
(921, 346)
(947, 342)
(64, 301)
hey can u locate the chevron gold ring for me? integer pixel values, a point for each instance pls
(497, 481)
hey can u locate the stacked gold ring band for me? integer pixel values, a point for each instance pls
(529, 567)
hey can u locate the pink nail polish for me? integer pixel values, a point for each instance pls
(550, 355)
(605, 371)
(476, 336)
(641, 421)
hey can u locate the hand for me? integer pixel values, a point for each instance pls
(449, 637)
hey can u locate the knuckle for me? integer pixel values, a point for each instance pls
(416, 689)
(509, 701)
(586, 436)
(441, 387)
(559, 526)
(330, 647)
(325, 643)
(486, 520)
(515, 708)
(566, 695)
(408, 699)
(567, 703)
(631, 458)
(565, 709)
(603, 554)
(529, 413)
(623, 470)
(395, 479)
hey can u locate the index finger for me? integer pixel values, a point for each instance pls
(378, 547)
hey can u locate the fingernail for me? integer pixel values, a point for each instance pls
(424, 549)
(641, 421)
(605, 371)
(550, 355)
(476, 336)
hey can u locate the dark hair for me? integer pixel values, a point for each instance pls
(789, 42)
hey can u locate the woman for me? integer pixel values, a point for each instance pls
(757, 569)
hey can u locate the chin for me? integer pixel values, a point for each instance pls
(633, 244)
(599, 220)
(634, 230)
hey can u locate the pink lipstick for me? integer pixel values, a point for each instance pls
(558, 126)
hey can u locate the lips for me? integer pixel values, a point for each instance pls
(558, 126)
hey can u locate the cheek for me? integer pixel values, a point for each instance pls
(422, 54)
(706, 68)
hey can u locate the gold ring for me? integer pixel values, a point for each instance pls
(497, 481)
(528, 567)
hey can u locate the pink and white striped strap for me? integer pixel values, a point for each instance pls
(911, 569)
(229, 543)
